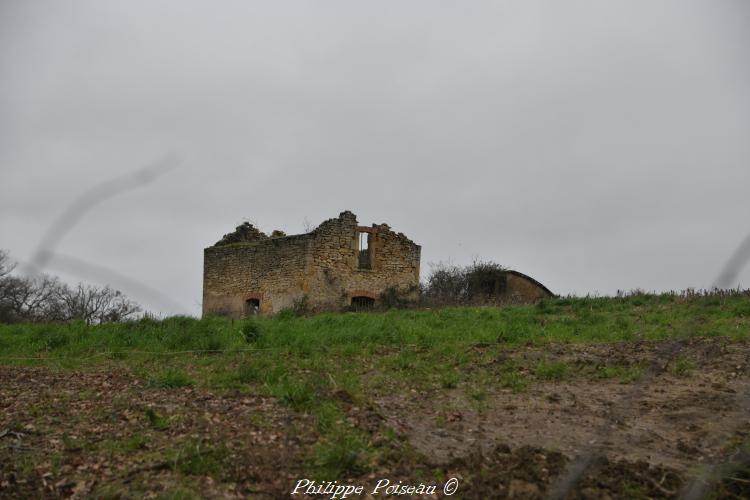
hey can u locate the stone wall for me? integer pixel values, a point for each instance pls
(522, 288)
(322, 266)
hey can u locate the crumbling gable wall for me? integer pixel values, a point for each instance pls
(336, 276)
(322, 266)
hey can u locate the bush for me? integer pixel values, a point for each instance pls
(446, 284)
(478, 283)
(485, 281)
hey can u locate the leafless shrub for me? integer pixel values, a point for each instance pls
(446, 284)
(45, 298)
(94, 304)
(481, 282)
(29, 299)
(6, 265)
(486, 281)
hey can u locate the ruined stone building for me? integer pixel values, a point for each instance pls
(338, 264)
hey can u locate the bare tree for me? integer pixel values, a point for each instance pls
(6, 265)
(93, 304)
(446, 284)
(29, 299)
(45, 298)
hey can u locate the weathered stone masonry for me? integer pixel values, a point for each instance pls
(248, 270)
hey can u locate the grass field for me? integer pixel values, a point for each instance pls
(187, 408)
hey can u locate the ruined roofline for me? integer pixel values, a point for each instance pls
(521, 275)
(247, 235)
(252, 244)
(253, 236)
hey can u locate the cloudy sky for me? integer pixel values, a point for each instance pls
(594, 145)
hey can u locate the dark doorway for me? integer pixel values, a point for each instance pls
(252, 307)
(362, 303)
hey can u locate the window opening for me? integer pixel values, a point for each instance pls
(361, 303)
(365, 250)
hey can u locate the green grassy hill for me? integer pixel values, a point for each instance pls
(636, 317)
(320, 367)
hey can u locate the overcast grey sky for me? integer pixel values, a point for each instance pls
(594, 145)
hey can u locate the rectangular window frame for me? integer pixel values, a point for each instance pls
(365, 261)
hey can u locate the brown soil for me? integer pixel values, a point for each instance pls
(76, 415)
(65, 433)
(648, 435)
(675, 421)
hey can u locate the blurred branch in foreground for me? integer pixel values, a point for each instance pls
(45, 251)
(734, 265)
(94, 196)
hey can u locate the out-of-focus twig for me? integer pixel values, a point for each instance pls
(734, 265)
(68, 218)
(578, 467)
(88, 200)
(698, 487)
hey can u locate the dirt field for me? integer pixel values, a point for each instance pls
(106, 433)
(676, 421)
